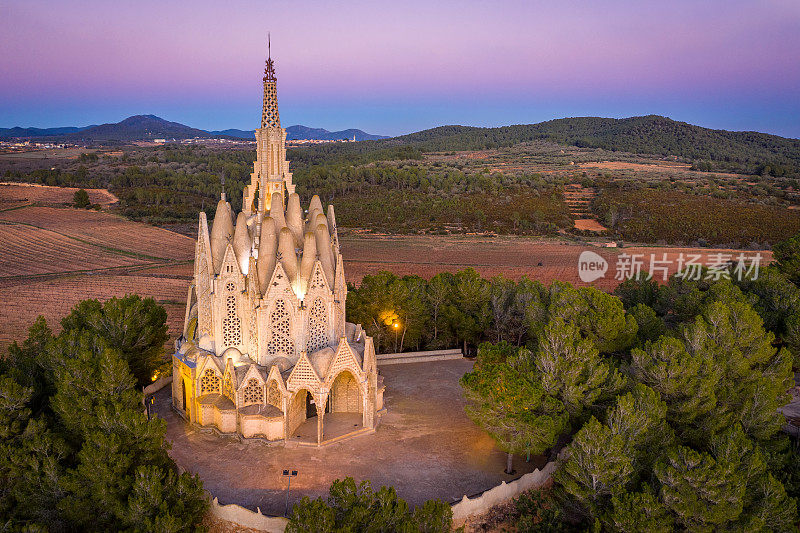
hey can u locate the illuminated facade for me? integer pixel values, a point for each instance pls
(265, 344)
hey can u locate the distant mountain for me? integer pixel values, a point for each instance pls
(137, 128)
(39, 132)
(148, 127)
(651, 134)
(240, 134)
(296, 133)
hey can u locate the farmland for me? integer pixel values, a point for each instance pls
(52, 257)
(17, 194)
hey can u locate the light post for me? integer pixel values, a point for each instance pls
(289, 474)
(396, 329)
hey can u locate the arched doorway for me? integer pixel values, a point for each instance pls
(345, 395)
(183, 397)
(311, 407)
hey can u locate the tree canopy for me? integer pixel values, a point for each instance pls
(77, 451)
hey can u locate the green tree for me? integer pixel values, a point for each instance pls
(787, 255)
(357, 508)
(686, 382)
(81, 199)
(600, 317)
(650, 325)
(504, 399)
(640, 512)
(569, 367)
(599, 465)
(470, 316)
(87, 458)
(133, 325)
(439, 295)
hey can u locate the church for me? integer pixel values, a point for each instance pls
(266, 351)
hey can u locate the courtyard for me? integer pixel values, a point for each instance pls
(425, 446)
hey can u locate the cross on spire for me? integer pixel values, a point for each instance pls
(269, 71)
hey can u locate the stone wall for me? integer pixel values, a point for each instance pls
(244, 517)
(462, 510)
(468, 507)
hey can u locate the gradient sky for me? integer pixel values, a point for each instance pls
(401, 66)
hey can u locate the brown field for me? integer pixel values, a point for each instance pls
(656, 166)
(589, 224)
(24, 300)
(105, 230)
(14, 194)
(512, 257)
(28, 251)
(51, 258)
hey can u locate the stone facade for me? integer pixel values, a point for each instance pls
(265, 343)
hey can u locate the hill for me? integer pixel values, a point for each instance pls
(146, 127)
(39, 132)
(299, 132)
(138, 127)
(749, 152)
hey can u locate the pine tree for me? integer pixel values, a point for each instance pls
(570, 368)
(134, 326)
(702, 493)
(598, 466)
(512, 407)
(639, 512)
(600, 317)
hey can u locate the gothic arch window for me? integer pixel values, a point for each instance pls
(210, 382)
(232, 324)
(253, 392)
(281, 326)
(317, 327)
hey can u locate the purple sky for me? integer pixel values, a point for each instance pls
(396, 67)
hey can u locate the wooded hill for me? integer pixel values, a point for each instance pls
(747, 152)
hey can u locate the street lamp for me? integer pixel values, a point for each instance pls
(289, 474)
(396, 326)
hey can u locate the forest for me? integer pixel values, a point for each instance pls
(732, 190)
(661, 401)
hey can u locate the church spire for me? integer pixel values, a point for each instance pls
(269, 112)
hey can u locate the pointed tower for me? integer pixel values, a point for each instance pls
(271, 169)
(265, 332)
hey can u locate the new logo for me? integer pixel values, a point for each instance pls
(591, 266)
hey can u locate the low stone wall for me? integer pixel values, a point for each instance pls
(503, 492)
(157, 385)
(462, 510)
(418, 357)
(247, 518)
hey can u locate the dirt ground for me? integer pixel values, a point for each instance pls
(545, 260)
(425, 446)
(589, 224)
(13, 194)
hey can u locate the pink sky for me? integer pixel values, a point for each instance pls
(393, 67)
